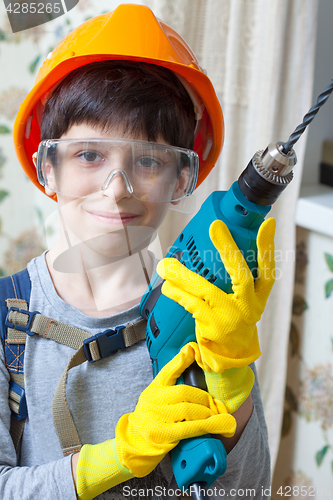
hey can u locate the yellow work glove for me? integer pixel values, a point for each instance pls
(165, 414)
(225, 324)
(99, 469)
(232, 386)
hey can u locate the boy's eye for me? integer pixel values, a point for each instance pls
(148, 162)
(90, 156)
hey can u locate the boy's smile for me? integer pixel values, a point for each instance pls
(122, 218)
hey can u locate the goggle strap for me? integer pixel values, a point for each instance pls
(199, 106)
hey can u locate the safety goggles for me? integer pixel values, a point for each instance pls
(151, 172)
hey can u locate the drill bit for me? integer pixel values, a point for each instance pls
(322, 98)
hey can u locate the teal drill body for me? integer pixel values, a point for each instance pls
(170, 326)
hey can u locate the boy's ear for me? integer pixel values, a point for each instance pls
(49, 173)
(181, 184)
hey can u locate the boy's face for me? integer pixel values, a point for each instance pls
(110, 222)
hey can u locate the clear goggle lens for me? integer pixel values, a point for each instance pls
(150, 171)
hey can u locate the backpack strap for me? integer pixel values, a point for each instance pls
(17, 286)
(96, 347)
(103, 345)
(88, 348)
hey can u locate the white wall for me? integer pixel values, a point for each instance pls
(322, 126)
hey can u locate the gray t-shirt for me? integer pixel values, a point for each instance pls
(98, 395)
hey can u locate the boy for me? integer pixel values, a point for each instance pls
(117, 120)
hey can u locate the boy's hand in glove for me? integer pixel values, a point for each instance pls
(165, 414)
(225, 324)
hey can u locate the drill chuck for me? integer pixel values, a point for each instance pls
(268, 174)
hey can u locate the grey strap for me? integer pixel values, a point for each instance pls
(70, 335)
(73, 337)
(21, 304)
(62, 418)
(48, 328)
(134, 332)
(16, 336)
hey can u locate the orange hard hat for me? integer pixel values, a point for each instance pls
(130, 32)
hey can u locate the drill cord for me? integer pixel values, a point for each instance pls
(198, 490)
(322, 98)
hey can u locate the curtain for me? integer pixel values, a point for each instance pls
(260, 57)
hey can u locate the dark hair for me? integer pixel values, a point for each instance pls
(140, 98)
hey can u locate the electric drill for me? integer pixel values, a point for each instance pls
(198, 462)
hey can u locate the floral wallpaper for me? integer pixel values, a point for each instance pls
(329, 283)
(306, 448)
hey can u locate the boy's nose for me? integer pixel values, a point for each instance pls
(119, 183)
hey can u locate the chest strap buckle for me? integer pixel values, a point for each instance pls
(108, 342)
(21, 328)
(17, 401)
